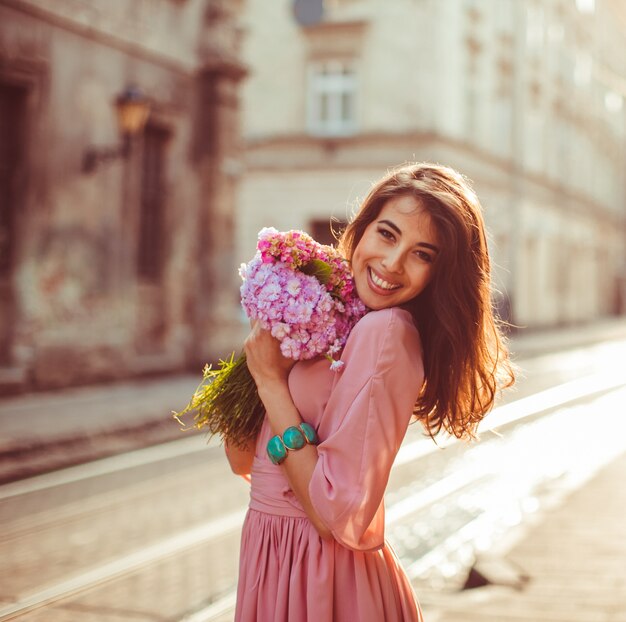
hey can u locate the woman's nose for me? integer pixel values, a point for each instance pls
(393, 262)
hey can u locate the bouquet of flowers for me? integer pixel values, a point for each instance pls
(303, 293)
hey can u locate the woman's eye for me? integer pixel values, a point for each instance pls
(424, 256)
(386, 234)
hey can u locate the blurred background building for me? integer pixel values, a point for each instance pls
(525, 98)
(115, 247)
(118, 244)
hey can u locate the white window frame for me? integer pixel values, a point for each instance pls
(335, 81)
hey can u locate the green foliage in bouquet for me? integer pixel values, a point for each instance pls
(321, 270)
(226, 403)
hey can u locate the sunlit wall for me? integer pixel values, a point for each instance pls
(525, 98)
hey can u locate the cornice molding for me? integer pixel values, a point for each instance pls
(325, 153)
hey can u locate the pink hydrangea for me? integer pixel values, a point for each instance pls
(302, 292)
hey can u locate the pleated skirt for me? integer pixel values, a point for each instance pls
(287, 573)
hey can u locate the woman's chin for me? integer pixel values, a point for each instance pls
(373, 300)
(375, 303)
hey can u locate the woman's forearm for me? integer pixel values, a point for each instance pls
(299, 465)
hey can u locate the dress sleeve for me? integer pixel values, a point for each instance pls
(363, 425)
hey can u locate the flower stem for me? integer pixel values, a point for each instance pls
(226, 403)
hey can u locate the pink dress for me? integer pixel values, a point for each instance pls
(287, 572)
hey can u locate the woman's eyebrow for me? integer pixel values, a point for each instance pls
(432, 247)
(395, 227)
(392, 225)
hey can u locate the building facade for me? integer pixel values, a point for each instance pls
(525, 98)
(116, 269)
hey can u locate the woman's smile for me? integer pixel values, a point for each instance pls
(378, 282)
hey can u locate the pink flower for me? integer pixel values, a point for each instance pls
(308, 317)
(290, 348)
(293, 286)
(280, 330)
(334, 348)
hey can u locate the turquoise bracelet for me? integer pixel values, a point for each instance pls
(293, 438)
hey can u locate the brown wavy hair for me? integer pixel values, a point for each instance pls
(466, 360)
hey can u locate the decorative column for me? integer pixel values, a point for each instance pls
(217, 321)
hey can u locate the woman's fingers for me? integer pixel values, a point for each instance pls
(256, 333)
(264, 356)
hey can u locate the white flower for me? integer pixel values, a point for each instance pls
(336, 366)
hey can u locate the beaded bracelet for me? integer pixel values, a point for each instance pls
(293, 438)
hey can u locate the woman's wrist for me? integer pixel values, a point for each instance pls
(281, 411)
(271, 388)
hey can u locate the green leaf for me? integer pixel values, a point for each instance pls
(321, 270)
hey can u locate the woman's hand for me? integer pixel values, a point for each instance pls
(264, 358)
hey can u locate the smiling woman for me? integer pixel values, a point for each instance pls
(435, 245)
(313, 544)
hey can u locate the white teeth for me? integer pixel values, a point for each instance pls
(381, 282)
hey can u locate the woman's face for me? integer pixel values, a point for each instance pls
(394, 260)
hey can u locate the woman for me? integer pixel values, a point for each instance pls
(313, 543)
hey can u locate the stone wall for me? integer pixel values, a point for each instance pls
(81, 311)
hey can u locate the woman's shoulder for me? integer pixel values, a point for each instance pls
(393, 319)
(383, 334)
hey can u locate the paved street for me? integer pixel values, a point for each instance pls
(153, 534)
(574, 556)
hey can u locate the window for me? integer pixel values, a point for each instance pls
(151, 224)
(12, 104)
(332, 99)
(12, 123)
(322, 230)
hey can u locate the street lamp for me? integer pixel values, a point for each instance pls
(132, 108)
